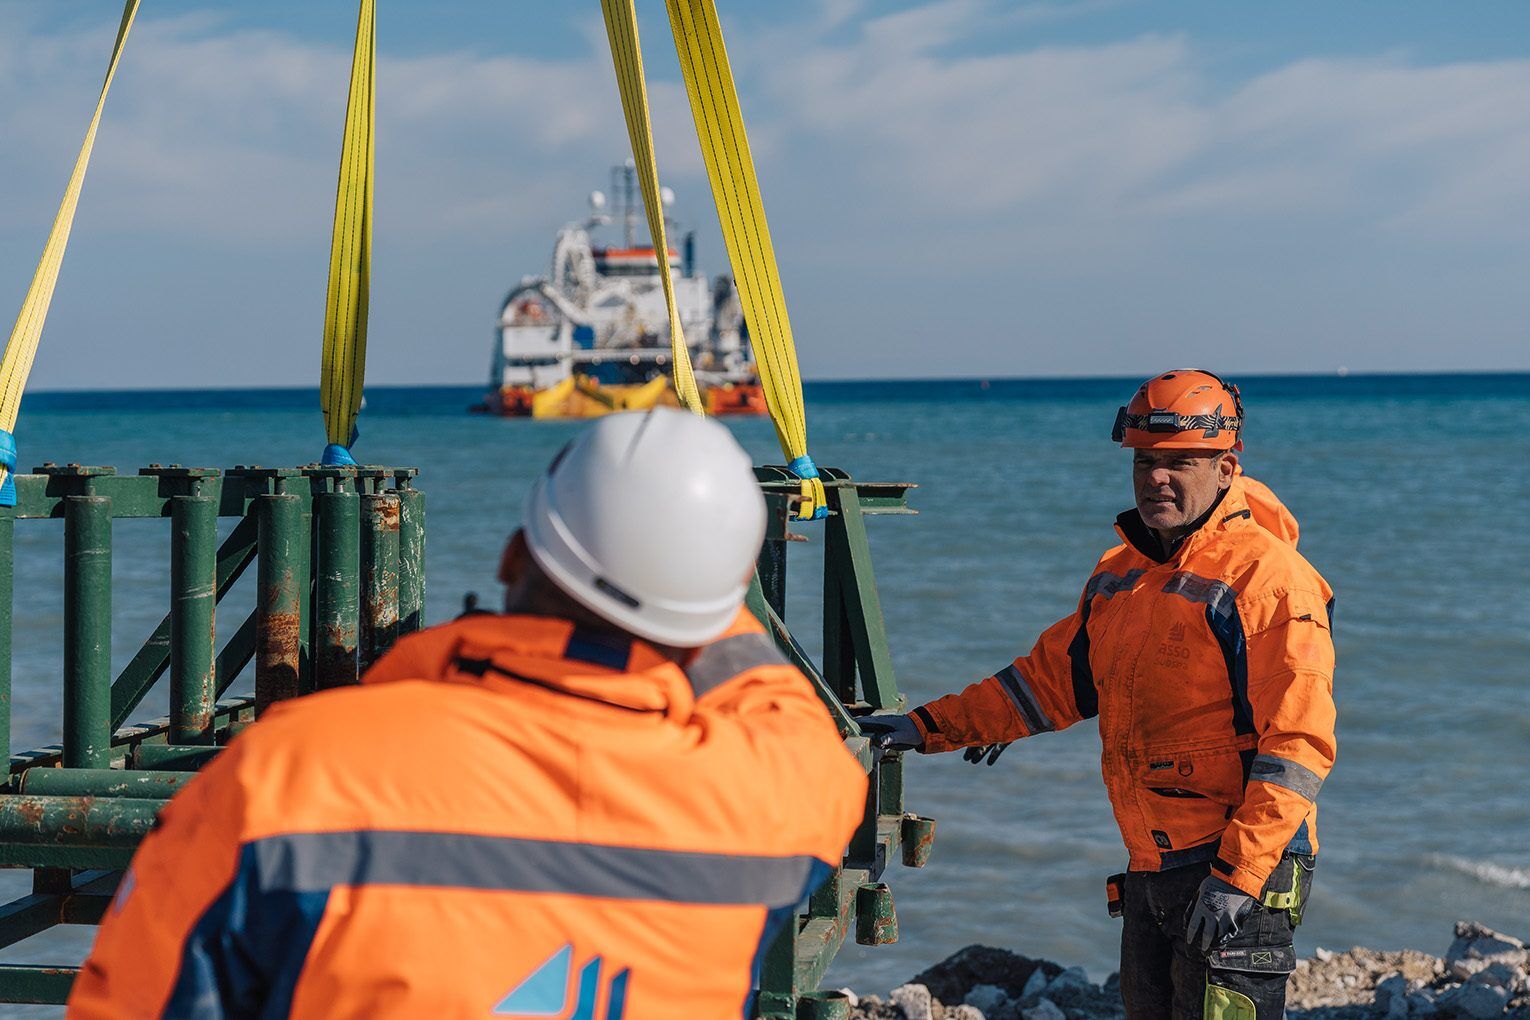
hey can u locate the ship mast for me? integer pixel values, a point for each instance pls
(624, 190)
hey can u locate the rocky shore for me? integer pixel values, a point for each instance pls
(1483, 974)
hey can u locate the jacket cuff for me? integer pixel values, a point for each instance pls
(929, 730)
(1245, 880)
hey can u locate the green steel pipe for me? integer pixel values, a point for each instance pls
(141, 784)
(167, 757)
(115, 822)
(918, 837)
(7, 581)
(876, 922)
(278, 599)
(771, 566)
(193, 601)
(824, 1006)
(380, 575)
(336, 623)
(87, 632)
(40, 985)
(411, 560)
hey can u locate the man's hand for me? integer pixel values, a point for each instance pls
(891, 732)
(1219, 908)
(975, 755)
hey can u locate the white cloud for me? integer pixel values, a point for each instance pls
(888, 157)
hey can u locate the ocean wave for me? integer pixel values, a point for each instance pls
(1486, 871)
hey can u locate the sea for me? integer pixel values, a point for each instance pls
(1412, 492)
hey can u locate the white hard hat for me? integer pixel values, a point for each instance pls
(652, 520)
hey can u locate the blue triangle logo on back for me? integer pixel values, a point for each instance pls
(544, 992)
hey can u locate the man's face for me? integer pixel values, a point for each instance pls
(1175, 487)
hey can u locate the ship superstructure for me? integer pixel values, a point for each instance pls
(592, 336)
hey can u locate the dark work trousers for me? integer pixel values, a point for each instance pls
(1163, 976)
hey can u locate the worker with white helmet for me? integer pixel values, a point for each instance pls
(631, 792)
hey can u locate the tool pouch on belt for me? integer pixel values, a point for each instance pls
(1288, 886)
(1115, 894)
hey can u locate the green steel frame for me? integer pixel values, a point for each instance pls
(73, 813)
(339, 556)
(857, 676)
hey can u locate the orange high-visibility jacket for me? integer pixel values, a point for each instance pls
(511, 816)
(1211, 673)
(1269, 512)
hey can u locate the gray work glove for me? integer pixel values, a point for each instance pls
(1219, 908)
(891, 732)
(975, 755)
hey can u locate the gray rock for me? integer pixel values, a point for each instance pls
(1046, 1009)
(1034, 985)
(1478, 1002)
(914, 1000)
(1112, 985)
(964, 1012)
(1390, 990)
(1421, 1003)
(1323, 954)
(1072, 979)
(987, 998)
(1498, 974)
(1475, 947)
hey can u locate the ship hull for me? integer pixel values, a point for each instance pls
(583, 397)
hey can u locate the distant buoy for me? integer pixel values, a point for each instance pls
(1343, 370)
(983, 385)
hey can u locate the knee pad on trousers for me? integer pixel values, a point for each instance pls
(1227, 1004)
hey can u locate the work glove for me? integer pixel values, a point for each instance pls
(1219, 908)
(891, 732)
(975, 755)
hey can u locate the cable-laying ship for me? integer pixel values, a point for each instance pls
(592, 336)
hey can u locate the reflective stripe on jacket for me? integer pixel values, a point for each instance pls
(1211, 673)
(510, 815)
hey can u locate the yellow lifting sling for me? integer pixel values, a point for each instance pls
(736, 192)
(350, 254)
(622, 30)
(21, 349)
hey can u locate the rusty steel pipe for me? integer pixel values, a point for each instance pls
(283, 540)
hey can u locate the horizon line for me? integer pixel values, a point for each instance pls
(865, 380)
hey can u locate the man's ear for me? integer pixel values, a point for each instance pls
(1227, 469)
(512, 562)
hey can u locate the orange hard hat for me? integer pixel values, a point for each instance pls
(1183, 409)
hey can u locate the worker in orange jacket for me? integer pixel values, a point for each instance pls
(603, 803)
(1202, 646)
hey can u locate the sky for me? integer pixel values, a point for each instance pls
(955, 187)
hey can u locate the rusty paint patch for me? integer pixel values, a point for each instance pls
(386, 514)
(30, 810)
(278, 656)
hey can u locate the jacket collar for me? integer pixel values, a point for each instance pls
(1231, 510)
(554, 654)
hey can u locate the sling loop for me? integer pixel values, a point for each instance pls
(622, 30)
(736, 191)
(21, 348)
(350, 254)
